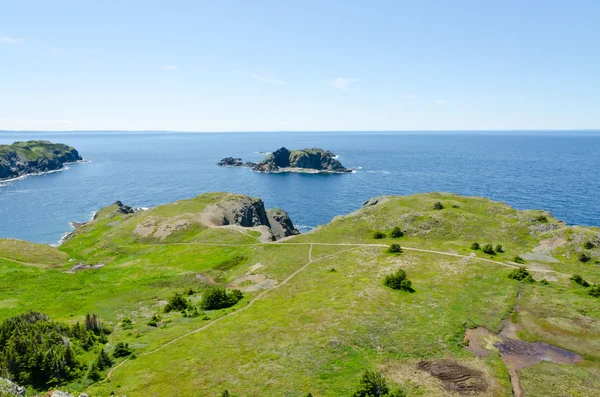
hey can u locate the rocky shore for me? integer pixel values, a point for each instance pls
(283, 160)
(34, 157)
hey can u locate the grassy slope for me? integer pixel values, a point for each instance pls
(34, 150)
(318, 331)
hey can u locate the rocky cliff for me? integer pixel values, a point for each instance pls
(284, 160)
(32, 157)
(246, 211)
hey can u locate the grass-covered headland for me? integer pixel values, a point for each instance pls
(375, 303)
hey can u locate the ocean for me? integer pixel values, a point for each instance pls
(553, 171)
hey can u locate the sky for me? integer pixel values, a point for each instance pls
(296, 65)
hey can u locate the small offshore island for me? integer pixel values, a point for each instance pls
(34, 157)
(313, 160)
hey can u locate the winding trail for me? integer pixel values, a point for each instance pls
(351, 246)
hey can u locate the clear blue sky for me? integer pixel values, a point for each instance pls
(299, 65)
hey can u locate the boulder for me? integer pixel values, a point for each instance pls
(281, 223)
(8, 388)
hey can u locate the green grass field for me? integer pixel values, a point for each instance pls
(315, 312)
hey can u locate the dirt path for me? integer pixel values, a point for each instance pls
(27, 263)
(284, 282)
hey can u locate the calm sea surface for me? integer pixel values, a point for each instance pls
(555, 172)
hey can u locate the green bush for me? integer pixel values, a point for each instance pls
(103, 361)
(588, 245)
(488, 249)
(475, 246)
(395, 249)
(121, 350)
(595, 291)
(583, 257)
(378, 235)
(154, 320)
(217, 298)
(398, 281)
(372, 384)
(541, 218)
(177, 303)
(521, 274)
(579, 280)
(499, 249)
(544, 282)
(397, 232)
(518, 259)
(126, 323)
(438, 206)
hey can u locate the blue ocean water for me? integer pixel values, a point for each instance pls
(555, 172)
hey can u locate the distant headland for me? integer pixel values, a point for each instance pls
(34, 157)
(283, 160)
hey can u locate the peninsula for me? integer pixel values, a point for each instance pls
(283, 160)
(34, 157)
(426, 295)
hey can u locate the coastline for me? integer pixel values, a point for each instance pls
(64, 168)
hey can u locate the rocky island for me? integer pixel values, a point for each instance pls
(34, 157)
(283, 160)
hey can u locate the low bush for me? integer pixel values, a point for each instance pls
(583, 257)
(541, 218)
(579, 280)
(395, 249)
(595, 291)
(397, 232)
(177, 303)
(588, 245)
(217, 298)
(126, 323)
(398, 281)
(378, 235)
(518, 259)
(521, 274)
(438, 206)
(372, 384)
(475, 246)
(544, 282)
(154, 320)
(499, 249)
(488, 249)
(122, 350)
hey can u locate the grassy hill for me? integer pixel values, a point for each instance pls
(315, 312)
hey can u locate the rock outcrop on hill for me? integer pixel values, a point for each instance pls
(8, 388)
(246, 211)
(34, 157)
(284, 160)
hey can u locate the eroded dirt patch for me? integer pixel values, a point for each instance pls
(456, 377)
(253, 282)
(80, 267)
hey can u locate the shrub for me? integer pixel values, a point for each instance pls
(398, 281)
(544, 282)
(438, 206)
(177, 303)
(395, 249)
(579, 280)
(475, 246)
(127, 323)
(397, 232)
(190, 292)
(121, 350)
(499, 248)
(372, 384)
(94, 373)
(588, 245)
(595, 291)
(217, 298)
(154, 320)
(488, 249)
(521, 274)
(541, 218)
(583, 257)
(518, 259)
(378, 235)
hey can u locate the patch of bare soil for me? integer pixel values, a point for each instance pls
(456, 377)
(543, 252)
(80, 266)
(253, 282)
(145, 229)
(165, 229)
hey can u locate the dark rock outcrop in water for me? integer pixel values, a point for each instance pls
(250, 212)
(34, 157)
(284, 160)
